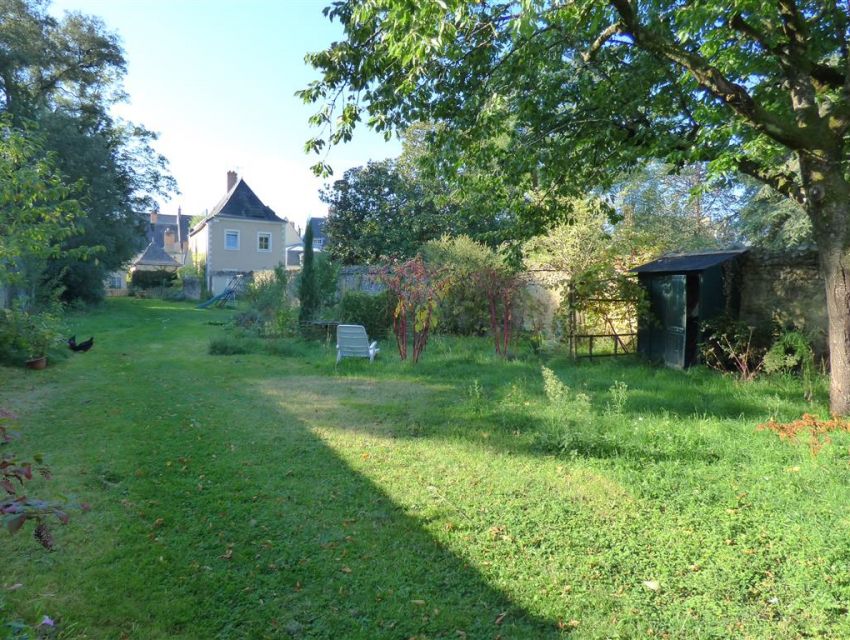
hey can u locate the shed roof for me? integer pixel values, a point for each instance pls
(687, 262)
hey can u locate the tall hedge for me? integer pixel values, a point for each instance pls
(151, 279)
(372, 311)
(308, 294)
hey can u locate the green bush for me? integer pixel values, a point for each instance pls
(729, 344)
(25, 334)
(250, 320)
(174, 293)
(230, 345)
(792, 353)
(151, 279)
(271, 310)
(372, 311)
(463, 308)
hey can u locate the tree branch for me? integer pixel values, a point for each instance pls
(711, 79)
(794, 27)
(604, 37)
(824, 75)
(785, 182)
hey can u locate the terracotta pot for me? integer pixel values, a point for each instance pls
(37, 363)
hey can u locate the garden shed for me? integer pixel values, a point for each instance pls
(682, 291)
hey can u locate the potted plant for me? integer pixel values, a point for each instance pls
(40, 331)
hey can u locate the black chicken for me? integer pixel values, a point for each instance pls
(83, 346)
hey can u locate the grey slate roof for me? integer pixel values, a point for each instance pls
(242, 202)
(318, 225)
(686, 262)
(156, 257)
(168, 223)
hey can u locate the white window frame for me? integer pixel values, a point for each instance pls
(238, 239)
(264, 234)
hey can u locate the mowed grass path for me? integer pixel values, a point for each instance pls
(262, 496)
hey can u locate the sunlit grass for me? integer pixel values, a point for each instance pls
(278, 495)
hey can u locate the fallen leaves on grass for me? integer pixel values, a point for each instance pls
(817, 429)
(572, 624)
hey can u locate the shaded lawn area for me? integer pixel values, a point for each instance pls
(259, 496)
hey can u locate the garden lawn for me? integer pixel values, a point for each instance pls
(279, 496)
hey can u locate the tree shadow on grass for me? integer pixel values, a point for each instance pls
(280, 537)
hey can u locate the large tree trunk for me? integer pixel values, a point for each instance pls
(836, 273)
(828, 207)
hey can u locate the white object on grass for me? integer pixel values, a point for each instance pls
(352, 342)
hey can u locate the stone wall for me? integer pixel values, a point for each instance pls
(192, 288)
(785, 289)
(363, 279)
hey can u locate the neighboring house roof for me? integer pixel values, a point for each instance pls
(292, 232)
(240, 202)
(318, 225)
(155, 256)
(687, 262)
(177, 224)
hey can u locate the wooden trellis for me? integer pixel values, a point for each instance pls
(623, 342)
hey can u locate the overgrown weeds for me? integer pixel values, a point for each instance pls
(568, 416)
(272, 311)
(240, 343)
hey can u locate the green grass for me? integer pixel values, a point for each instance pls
(274, 495)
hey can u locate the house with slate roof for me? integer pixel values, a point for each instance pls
(154, 258)
(171, 233)
(240, 235)
(295, 250)
(167, 248)
(319, 238)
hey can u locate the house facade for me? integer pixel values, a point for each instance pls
(319, 238)
(167, 248)
(240, 235)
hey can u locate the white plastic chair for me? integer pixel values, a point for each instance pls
(352, 342)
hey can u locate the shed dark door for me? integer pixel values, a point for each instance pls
(674, 319)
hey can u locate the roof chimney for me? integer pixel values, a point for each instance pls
(231, 180)
(180, 238)
(154, 216)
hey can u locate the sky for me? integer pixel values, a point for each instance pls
(216, 79)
